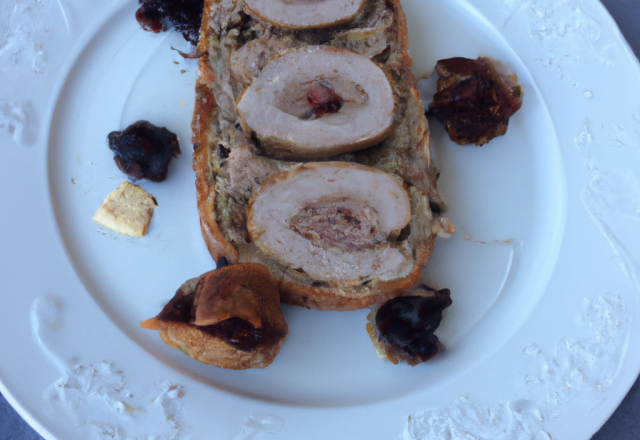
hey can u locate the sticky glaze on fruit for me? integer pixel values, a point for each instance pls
(143, 150)
(473, 101)
(235, 331)
(324, 100)
(184, 16)
(407, 325)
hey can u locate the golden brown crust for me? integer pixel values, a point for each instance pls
(204, 113)
(406, 154)
(403, 35)
(205, 348)
(215, 239)
(203, 119)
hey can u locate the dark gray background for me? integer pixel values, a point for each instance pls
(624, 424)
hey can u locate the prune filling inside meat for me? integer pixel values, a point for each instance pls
(407, 325)
(235, 331)
(184, 16)
(143, 150)
(336, 226)
(324, 100)
(473, 101)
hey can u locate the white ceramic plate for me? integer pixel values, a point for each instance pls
(544, 268)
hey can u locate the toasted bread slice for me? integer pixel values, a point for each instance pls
(231, 164)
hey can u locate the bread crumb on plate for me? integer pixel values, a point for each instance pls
(127, 210)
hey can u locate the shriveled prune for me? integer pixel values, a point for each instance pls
(143, 150)
(473, 101)
(184, 16)
(405, 326)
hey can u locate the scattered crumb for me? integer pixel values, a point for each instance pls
(73, 181)
(500, 242)
(426, 75)
(467, 236)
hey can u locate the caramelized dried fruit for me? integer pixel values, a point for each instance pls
(323, 100)
(184, 16)
(229, 317)
(473, 101)
(144, 150)
(235, 331)
(406, 325)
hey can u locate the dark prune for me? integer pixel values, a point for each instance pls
(178, 309)
(235, 331)
(222, 262)
(242, 334)
(324, 100)
(473, 101)
(184, 16)
(143, 150)
(407, 324)
(223, 152)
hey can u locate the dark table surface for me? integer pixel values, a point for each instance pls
(624, 424)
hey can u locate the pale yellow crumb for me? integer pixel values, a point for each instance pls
(127, 210)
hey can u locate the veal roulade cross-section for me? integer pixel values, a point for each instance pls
(312, 150)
